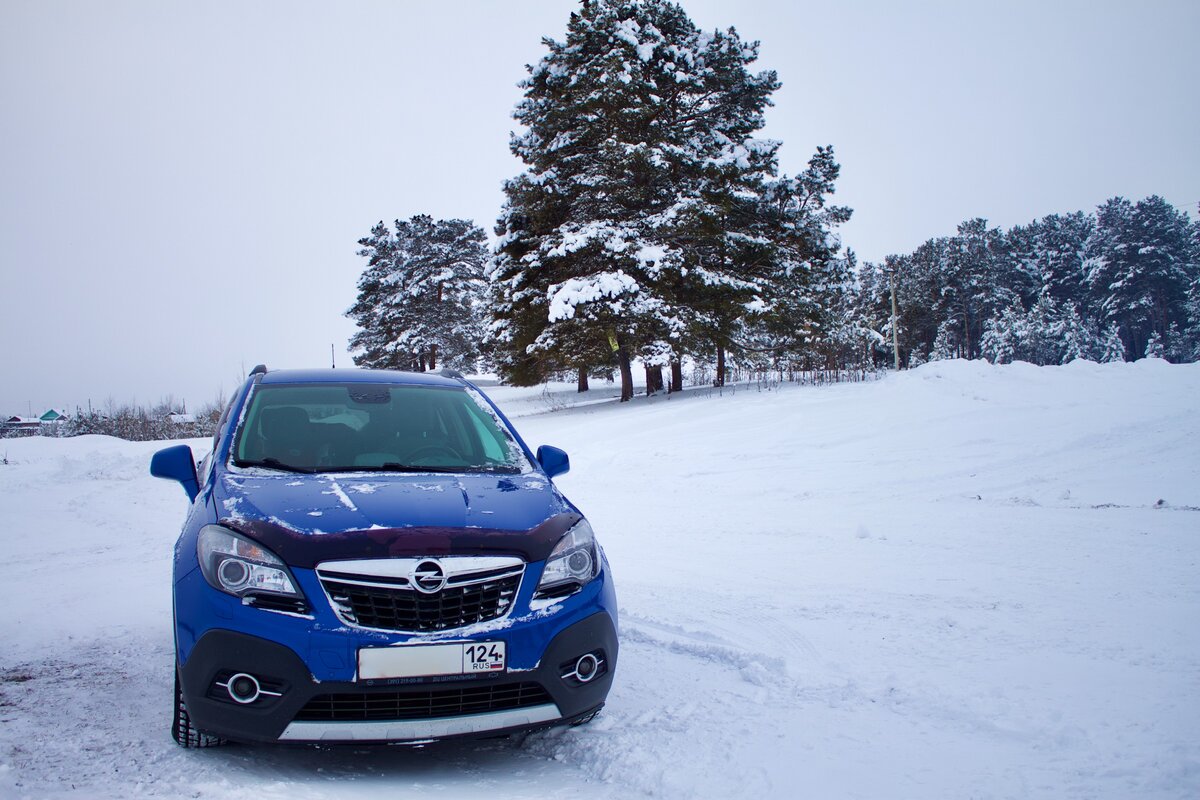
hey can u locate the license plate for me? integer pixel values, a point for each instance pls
(430, 660)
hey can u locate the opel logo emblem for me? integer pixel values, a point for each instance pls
(428, 577)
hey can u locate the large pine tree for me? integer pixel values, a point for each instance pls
(616, 238)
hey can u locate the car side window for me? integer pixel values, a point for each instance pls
(222, 420)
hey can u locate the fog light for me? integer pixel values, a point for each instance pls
(586, 668)
(243, 688)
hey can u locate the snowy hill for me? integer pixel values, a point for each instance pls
(964, 580)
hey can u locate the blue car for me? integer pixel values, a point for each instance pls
(375, 556)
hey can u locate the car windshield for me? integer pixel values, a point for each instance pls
(360, 427)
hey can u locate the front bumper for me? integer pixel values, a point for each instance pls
(309, 710)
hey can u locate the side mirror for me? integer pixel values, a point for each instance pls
(553, 460)
(176, 464)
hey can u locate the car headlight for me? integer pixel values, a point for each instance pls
(239, 566)
(573, 562)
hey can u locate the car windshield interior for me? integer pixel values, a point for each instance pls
(373, 427)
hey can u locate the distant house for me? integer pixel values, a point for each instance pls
(21, 426)
(31, 426)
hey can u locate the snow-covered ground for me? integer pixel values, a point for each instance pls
(961, 581)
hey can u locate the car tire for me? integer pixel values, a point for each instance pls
(181, 727)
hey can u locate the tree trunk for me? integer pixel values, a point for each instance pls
(433, 353)
(421, 362)
(626, 373)
(583, 381)
(654, 380)
(895, 334)
(720, 381)
(676, 376)
(967, 334)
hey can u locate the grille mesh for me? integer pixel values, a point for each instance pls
(403, 609)
(427, 704)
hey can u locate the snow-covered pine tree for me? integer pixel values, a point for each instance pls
(1003, 336)
(973, 288)
(637, 121)
(419, 299)
(1191, 340)
(806, 308)
(1047, 256)
(1141, 267)
(872, 285)
(372, 338)
(1076, 335)
(1047, 333)
(920, 278)
(916, 322)
(841, 339)
(1154, 347)
(724, 240)
(1112, 348)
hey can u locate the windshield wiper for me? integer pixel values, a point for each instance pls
(392, 466)
(274, 463)
(389, 467)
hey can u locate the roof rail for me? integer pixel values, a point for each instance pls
(261, 369)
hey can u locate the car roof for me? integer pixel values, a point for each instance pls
(385, 376)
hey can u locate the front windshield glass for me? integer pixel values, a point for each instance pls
(373, 427)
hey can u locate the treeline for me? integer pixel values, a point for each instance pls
(1121, 283)
(134, 423)
(649, 224)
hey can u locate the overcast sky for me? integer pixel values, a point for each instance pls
(182, 185)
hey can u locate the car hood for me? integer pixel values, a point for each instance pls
(307, 518)
(333, 502)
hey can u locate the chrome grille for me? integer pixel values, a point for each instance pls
(381, 593)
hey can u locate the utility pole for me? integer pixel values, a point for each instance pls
(895, 338)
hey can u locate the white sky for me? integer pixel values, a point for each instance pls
(182, 185)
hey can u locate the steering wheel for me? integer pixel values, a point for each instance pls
(435, 452)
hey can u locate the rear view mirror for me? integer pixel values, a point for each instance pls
(176, 464)
(553, 460)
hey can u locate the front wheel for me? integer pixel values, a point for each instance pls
(181, 728)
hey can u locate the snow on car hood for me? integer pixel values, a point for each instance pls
(332, 503)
